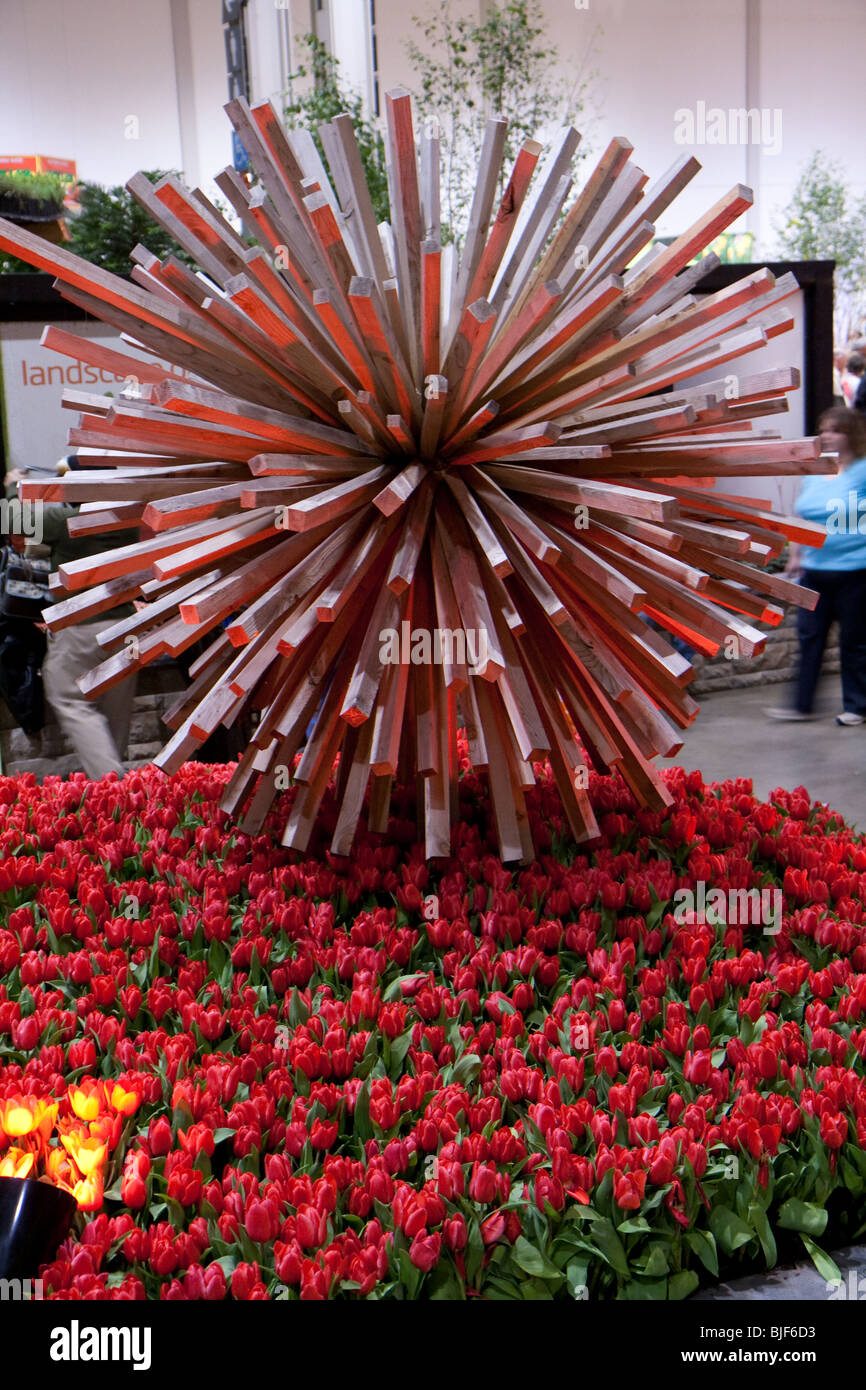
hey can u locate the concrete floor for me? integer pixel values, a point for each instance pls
(732, 737)
(796, 1283)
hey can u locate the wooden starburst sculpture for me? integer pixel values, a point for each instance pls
(403, 490)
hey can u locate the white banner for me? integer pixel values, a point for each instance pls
(33, 379)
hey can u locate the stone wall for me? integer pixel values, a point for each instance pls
(777, 663)
(49, 752)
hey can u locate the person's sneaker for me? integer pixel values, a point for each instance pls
(792, 716)
(849, 720)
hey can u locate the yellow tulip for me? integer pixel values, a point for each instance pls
(88, 1192)
(121, 1098)
(15, 1163)
(46, 1115)
(86, 1099)
(18, 1116)
(86, 1154)
(103, 1128)
(59, 1168)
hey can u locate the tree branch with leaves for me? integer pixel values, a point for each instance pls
(468, 71)
(823, 221)
(322, 96)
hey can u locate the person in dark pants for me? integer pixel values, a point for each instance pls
(837, 570)
(98, 730)
(843, 597)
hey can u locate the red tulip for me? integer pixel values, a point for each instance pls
(185, 1186)
(482, 1183)
(262, 1221)
(454, 1233)
(26, 1033)
(246, 1284)
(288, 1261)
(834, 1130)
(159, 1137)
(312, 1227)
(133, 1185)
(697, 1068)
(424, 1251)
(628, 1190)
(205, 1283)
(493, 1228)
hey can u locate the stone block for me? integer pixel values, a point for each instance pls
(49, 751)
(777, 663)
(142, 752)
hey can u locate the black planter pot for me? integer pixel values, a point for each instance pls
(17, 207)
(34, 1218)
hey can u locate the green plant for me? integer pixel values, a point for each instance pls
(823, 221)
(25, 196)
(40, 195)
(12, 265)
(469, 71)
(326, 98)
(111, 223)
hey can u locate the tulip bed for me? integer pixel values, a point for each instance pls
(374, 1078)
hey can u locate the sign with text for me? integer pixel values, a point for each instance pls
(33, 378)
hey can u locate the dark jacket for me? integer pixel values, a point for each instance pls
(64, 547)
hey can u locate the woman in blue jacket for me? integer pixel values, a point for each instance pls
(837, 570)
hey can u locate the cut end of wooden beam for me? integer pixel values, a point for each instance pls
(490, 671)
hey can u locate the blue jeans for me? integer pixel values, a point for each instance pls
(843, 597)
